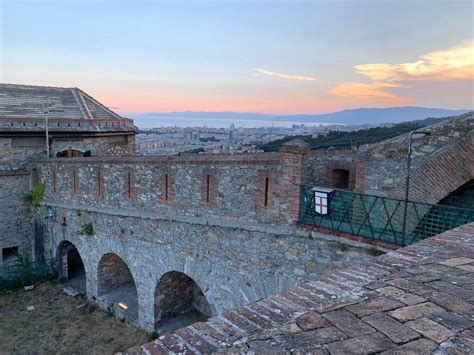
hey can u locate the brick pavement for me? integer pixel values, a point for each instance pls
(418, 299)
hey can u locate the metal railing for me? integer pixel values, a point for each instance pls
(381, 218)
(25, 273)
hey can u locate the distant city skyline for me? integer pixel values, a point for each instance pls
(281, 57)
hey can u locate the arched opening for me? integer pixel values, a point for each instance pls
(71, 267)
(116, 287)
(462, 197)
(442, 216)
(69, 153)
(340, 178)
(179, 302)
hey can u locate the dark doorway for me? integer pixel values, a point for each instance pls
(179, 302)
(116, 287)
(69, 153)
(340, 178)
(71, 267)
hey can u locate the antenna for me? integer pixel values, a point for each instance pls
(46, 111)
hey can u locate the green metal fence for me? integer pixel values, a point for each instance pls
(381, 218)
(25, 273)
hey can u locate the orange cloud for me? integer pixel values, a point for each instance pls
(284, 76)
(455, 63)
(450, 64)
(374, 93)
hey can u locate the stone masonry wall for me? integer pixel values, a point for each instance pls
(235, 189)
(113, 145)
(236, 248)
(441, 162)
(319, 166)
(17, 153)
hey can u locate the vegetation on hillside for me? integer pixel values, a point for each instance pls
(342, 139)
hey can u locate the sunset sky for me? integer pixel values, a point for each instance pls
(249, 56)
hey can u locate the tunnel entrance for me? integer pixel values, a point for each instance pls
(116, 287)
(71, 267)
(179, 302)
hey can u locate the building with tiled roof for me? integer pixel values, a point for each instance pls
(78, 126)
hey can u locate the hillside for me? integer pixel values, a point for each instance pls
(341, 139)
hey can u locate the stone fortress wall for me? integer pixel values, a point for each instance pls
(225, 221)
(209, 232)
(441, 163)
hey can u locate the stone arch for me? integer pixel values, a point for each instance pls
(70, 266)
(179, 302)
(462, 197)
(441, 174)
(116, 287)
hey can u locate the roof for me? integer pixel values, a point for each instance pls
(26, 101)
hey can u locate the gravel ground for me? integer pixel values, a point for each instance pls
(55, 326)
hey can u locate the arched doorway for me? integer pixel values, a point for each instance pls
(116, 287)
(71, 267)
(179, 302)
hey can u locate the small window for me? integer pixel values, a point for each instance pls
(9, 254)
(267, 185)
(340, 178)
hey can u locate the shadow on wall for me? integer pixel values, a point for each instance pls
(179, 302)
(71, 267)
(116, 288)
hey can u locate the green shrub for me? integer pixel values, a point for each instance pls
(36, 195)
(87, 229)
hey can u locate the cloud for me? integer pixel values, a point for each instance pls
(455, 63)
(285, 76)
(373, 93)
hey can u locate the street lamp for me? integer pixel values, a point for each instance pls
(407, 184)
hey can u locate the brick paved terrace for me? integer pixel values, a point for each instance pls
(418, 299)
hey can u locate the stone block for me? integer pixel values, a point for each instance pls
(348, 323)
(453, 321)
(394, 330)
(380, 304)
(457, 261)
(430, 329)
(417, 347)
(311, 320)
(319, 336)
(449, 301)
(417, 311)
(371, 343)
(401, 295)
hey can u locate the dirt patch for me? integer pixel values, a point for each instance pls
(56, 326)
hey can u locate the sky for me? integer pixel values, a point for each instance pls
(278, 57)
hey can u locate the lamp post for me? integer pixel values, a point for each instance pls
(46, 111)
(407, 183)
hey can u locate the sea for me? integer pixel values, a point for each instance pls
(162, 121)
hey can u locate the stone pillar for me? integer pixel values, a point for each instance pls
(293, 158)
